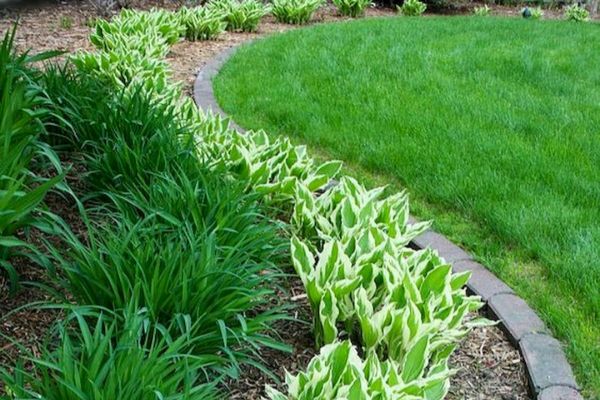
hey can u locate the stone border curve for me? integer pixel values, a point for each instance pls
(549, 373)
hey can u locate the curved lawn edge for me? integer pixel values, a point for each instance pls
(549, 373)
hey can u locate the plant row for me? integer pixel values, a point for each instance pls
(171, 286)
(174, 280)
(573, 12)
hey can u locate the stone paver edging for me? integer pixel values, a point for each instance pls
(549, 373)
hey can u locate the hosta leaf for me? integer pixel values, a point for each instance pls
(268, 188)
(349, 217)
(436, 280)
(356, 391)
(328, 314)
(437, 388)
(339, 361)
(367, 212)
(411, 290)
(371, 334)
(416, 360)
(328, 263)
(273, 394)
(330, 169)
(459, 315)
(480, 322)
(302, 259)
(316, 182)
(344, 287)
(459, 280)
(288, 185)
(260, 174)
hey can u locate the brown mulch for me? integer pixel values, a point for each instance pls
(295, 333)
(20, 324)
(24, 324)
(489, 367)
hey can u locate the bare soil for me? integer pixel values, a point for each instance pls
(489, 367)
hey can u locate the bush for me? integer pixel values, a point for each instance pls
(173, 268)
(482, 11)
(412, 8)
(123, 357)
(174, 238)
(131, 48)
(295, 11)
(240, 16)
(134, 23)
(22, 108)
(202, 23)
(576, 13)
(352, 8)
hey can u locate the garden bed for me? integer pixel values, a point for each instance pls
(489, 366)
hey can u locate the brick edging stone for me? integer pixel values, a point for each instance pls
(549, 373)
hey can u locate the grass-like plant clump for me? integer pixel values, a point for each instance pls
(295, 11)
(175, 238)
(507, 170)
(119, 356)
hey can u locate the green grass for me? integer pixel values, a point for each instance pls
(491, 124)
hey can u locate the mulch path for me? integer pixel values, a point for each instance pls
(489, 367)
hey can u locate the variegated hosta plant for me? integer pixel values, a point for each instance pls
(136, 23)
(240, 15)
(338, 372)
(276, 168)
(132, 48)
(329, 284)
(348, 209)
(389, 298)
(202, 23)
(148, 43)
(145, 35)
(122, 69)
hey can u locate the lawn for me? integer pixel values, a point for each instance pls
(491, 124)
